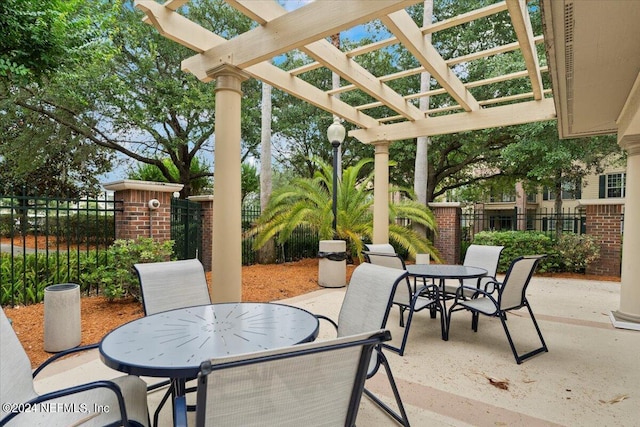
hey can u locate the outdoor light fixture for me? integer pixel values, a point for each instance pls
(335, 133)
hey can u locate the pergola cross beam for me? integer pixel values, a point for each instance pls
(524, 33)
(295, 29)
(406, 30)
(335, 60)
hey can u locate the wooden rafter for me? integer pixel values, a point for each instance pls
(306, 28)
(170, 24)
(295, 29)
(406, 30)
(524, 32)
(507, 115)
(335, 60)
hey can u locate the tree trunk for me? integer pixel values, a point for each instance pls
(557, 206)
(421, 175)
(267, 253)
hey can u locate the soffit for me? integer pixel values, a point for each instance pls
(593, 50)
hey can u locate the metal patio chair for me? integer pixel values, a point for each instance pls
(172, 284)
(366, 307)
(511, 296)
(384, 248)
(166, 286)
(409, 298)
(482, 256)
(319, 383)
(124, 398)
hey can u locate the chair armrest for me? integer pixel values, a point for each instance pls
(492, 285)
(321, 317)
(475, 291)
(110, 385)
(61, 355)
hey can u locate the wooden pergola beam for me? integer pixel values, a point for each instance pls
(295, 29)
(335, 60)
(172, 25)
(406, 30)
(522, 26)
(512, 114)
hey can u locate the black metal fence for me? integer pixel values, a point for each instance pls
(546, 221)
(186, 229)
(303, 242)
(51, 240)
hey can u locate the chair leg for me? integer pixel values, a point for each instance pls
(474, 320)
(402, 417)
(522, 358)
(402, 309)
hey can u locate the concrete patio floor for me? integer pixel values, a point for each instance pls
(589, 377)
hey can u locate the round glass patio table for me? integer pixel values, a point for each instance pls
(173, 343)
(441, 272)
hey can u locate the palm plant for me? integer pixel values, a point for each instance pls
(308, 201)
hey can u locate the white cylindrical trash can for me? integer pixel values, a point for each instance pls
(332, 267)
(62, 328)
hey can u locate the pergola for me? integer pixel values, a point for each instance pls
(306, 30)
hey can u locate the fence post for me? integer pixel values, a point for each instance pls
(604, 222)
(449, 234)
(206, 209)
(146, 208)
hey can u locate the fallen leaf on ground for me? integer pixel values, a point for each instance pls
(501, 384)
(616, 399)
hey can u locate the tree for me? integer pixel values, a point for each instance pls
(307, 201)
(37, 36)
(147, 172)
(543, 160)
(266, 254)
(135, 100)
(250, 182)
(421, 174)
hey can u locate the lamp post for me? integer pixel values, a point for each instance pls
(335, 134)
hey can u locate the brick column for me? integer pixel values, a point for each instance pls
(448, 237)
(604, 222)
(137, 218)
(206, 206)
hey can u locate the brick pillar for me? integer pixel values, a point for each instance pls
(604, 221)
(206, 206)
(137, 218)
(448, 238)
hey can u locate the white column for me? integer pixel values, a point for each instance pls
(630, 285)
(226, 262)
(381, 193)
(628, 315)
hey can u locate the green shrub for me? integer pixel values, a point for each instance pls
(24, 278)
(577, 251)
(520, 243)
(6, 225)
(118, 279)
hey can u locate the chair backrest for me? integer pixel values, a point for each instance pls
(16, 382)
(172, 284)
(512, 292)
(391, 260)
(482, 256)
(368, 298)
(385, 248)
(319, 383)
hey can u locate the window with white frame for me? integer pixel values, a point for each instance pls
(613, 185)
